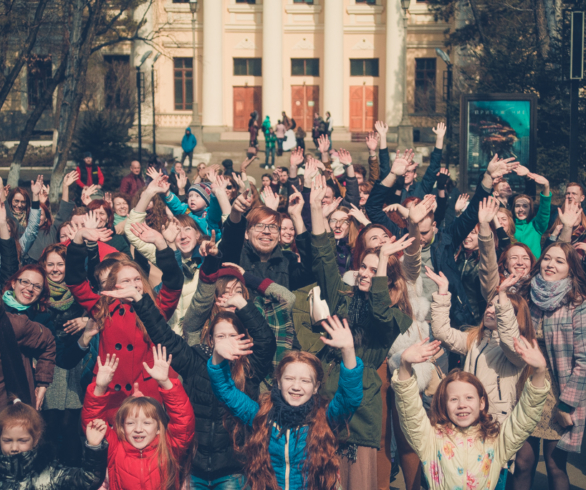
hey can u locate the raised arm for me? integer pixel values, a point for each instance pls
(506, 321)
(435, 160)
(487, 268)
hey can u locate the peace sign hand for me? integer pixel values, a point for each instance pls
(209, 247)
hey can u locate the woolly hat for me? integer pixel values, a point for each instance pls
(203, 189)
(232, 272)
(87, 154)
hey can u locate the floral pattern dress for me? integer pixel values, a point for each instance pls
(457, 459)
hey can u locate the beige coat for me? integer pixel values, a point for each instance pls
(487, 267)
(494, 361)
(459, 458)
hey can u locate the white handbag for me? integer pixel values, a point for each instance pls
(318, 308)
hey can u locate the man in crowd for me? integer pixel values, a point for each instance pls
(134, 181)
(188, 144)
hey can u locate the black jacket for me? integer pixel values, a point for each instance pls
(281, 268)
(215, 456)
(32, 470)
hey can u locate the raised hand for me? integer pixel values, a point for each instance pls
(318, 190)
(381, 129)
(296, 202)
(160, 370)
(442, 178)
(219, 184)
(126, 294)
(159, 184)
(571, 214)
(392, 247)
(339, 332)
(92, 235)
(91, 329)
(270, 198)
(212, 174)
(70, 178)
(209, 247)
(538, 179)
(3, 191)
(44, 195)
(310, 170)
(420, 352)
(328, 209)
(91, 220)
(231, 300)
(240, 182)
(345, 157)
(95, 432)
(323, 143)
(246, 163)
(440, 279)
(231, 348)
(530, 353)
(372, 140)
(488, 208)
(37, 186)
(181, 179)
(296, 157)
(522, 171)
(358, 215)
(147, 234)
(461, 203)
(508, 282)
(420, 211)
(105, 373)
(87, 193)
(403, 211)
(75, 325)
(171, 230)
(440, 130)
(404, 163)
(498, 168)
(242, 203)
(153, 173)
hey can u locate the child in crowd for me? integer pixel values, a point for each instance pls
(150, 444)
(26, 463)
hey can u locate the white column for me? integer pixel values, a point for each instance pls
(333, 74)
(394, 63)
(212, 106)
(272, 59)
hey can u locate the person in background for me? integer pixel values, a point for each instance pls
(134, 181)
(19, 206)
(329, 126)
(89, 173)
(280, 134)
(266, 125)
(503, 192)
(286, 121)
(270, 141)
(188, 144)
(300, 138)
(253, 130)
(178, 174)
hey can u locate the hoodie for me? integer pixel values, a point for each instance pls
(189, 142)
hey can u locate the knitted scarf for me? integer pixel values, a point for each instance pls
(118, 218)
(61, 298)
(20, 216)
(549, 295)
(286, 416)
(10, 300)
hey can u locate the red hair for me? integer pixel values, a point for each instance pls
(43, 300)
(501, 263)
(293, 245)
(322, 465)
(58, 248)
(172, 471)
(27, 198)
(439, 417)
(100, 203)
(261, 213)
(48, 218)
(360, 246)
(22, 415)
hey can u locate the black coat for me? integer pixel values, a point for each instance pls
(215, 456)
(34, 470)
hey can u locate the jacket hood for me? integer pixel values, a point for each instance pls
(17, 466)
(188, 129)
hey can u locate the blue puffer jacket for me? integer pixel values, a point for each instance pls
(288, 451)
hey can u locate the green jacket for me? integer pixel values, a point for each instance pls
(385, 325)
(530, 233)
(270, 140)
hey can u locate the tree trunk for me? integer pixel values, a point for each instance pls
(82, 37)
(27, 132)
(23, 54)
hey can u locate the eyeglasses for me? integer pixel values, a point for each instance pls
(260, 227)
(25, 283)
(343, 222)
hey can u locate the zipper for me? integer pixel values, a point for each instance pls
(287, 462)
(141, 468)
(498, 384)
(478, 357)
(463, 269)
(211, 439)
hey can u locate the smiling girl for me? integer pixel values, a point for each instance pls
(460, 444)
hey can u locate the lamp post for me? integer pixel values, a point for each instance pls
(196, 128)
(153, 93)
(446, 58)
(405, 137)
(139, 96)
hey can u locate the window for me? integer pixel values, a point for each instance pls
(40, 73)
(305, 67)
(246, 1)
(364, 68)
(309, 2)
(248, 66)
(183, 75)
(368, 2)
(116, 80)
(180, 1)
(425, 85)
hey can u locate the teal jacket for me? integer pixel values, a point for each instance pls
(530, 232)
(210, 219)
(288, 451)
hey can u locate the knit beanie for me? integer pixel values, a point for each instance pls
(203, 189)
(232, 272)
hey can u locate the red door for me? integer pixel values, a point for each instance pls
(305, 103)
(246, 100)
(363, 108)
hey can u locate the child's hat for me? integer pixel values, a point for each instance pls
(203, 189)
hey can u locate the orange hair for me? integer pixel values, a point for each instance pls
(22, 415)
(259, 214)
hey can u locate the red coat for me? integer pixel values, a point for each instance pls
(129, 468)
(121, 336)
(103, 248)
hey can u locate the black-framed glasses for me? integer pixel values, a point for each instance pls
(260, 227)
(25, 283)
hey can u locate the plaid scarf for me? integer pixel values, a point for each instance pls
(61, 298)
(549, 295)
(281, 323)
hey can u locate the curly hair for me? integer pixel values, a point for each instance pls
(43, 300)
(156, 216)
(439, 417)
(322, 464)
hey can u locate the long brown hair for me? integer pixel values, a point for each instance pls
(521, 309)
(531, 212)
(511, 219)
(502, 261)
(156, 217)
(321, 467)
(173, 472)
(439, 417)
(103, 306)
(360, 245)
(577, 293)
(43, 300)
(46, 226)
(24, 193)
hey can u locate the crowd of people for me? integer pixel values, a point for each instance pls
(316, 330)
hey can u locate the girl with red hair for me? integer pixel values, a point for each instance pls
(293, 442)
(460, 444)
